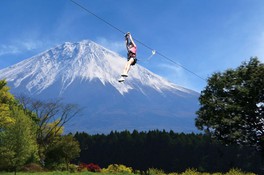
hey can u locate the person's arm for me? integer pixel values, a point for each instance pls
(131, 39)
(127, 46)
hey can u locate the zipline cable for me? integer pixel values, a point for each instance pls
(174, 62)
(153, 51)
(85, 9)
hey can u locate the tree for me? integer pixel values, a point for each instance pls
(18, 141)
(169, 151)
(63, 150)
(17, 132)
(232, 105)
(6, 99)
(50, 118)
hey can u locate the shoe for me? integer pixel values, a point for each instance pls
(124, 75)
(121, 79)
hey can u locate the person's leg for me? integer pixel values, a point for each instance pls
(128, 65)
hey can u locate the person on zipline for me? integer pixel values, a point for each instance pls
(131, 55)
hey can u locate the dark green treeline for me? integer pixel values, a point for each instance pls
(169, 151)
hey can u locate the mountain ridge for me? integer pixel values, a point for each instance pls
(92, 69)
(86, 73)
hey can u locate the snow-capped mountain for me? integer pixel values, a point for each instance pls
(86, 73)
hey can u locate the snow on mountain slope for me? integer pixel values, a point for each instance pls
(85, 60)
(86, 73)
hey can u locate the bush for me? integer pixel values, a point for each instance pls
(115, 168)
(173, 173)
(191, 171)
(60, 167)
(89, 167)
(82, 167)
(32, 167)
(73, 168)
(93, 168)
(154, 171)
(237, 172)
(63, 167)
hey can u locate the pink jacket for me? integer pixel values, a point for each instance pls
(133, 49)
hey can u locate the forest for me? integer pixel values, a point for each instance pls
(169, 151)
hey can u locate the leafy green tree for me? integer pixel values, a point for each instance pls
(63, 150)
(50, 118)
(17, 132)
(232, 105)
(6, 99)
(18, 141)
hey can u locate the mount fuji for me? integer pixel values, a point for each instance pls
(86, 74)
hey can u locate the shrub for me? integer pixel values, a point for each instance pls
(115, 168)
(237, 172)
(73, 168)
(82, 167)
(32, 167)
(63, 167)
(154, 171)
(173, 173)
(59, 167)
(89, 167)
(191, 172)
(93, 167)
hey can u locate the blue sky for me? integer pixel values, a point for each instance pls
(204, 36)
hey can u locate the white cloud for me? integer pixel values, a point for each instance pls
(16, 48)
(178, 75)
(176, 70)
(21, 46)
(30, 45)
(8, 49)
(173, 73)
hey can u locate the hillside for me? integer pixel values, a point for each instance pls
(86, 74)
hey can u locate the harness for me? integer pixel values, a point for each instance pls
(133, 55)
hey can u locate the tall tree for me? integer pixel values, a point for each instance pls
(50, 118)
(169, 151)
(19, 138)
(17, 132)
(6, 99)
(232, 105)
